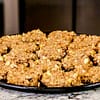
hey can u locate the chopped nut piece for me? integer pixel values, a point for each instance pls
(86, 60)
(1, 58)
(7, 63)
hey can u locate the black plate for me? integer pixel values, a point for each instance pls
(49, 90)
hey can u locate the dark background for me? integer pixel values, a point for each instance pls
(82, 16)
(1, 19)
(47, 15)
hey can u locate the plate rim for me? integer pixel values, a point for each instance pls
(49, 89)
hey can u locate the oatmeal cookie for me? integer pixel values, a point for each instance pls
(53, 78)
(23, 75)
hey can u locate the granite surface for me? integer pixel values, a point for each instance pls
(6, 94)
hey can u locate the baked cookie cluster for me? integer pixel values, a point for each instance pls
(60, 59)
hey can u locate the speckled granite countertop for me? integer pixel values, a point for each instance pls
(6, 94)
